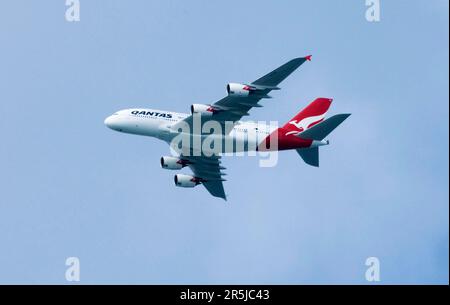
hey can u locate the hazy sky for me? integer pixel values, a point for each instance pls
(72, 187)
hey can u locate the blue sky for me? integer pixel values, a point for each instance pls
(71, 187)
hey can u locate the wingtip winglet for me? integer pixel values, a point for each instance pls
(308, 58)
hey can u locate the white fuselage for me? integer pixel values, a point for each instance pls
(244, 136)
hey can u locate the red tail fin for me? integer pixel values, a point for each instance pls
(311, 115)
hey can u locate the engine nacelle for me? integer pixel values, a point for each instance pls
(182, 180)
(238, 89)
(172, 163)
(205, 110)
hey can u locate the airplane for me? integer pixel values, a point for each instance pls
(186, 134)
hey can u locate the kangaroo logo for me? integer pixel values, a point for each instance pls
(302, 125)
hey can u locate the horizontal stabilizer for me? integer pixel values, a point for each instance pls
(320, 131)
(310, 155)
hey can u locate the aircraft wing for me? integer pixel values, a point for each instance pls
(233, 108)
(209, 170)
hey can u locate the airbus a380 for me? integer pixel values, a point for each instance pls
(210, 131)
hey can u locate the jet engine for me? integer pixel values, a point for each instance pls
(182, 180)
(205, 110)
(172, 163)
(238, 89)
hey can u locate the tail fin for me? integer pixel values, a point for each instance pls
(313, 114)
(320, 131)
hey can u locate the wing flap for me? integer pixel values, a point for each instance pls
(210, 171)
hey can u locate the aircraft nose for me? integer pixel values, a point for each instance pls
(112, 122)
(108, 122)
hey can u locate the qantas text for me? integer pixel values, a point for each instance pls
(152, 113)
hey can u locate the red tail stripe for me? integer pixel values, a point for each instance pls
(316, 108)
